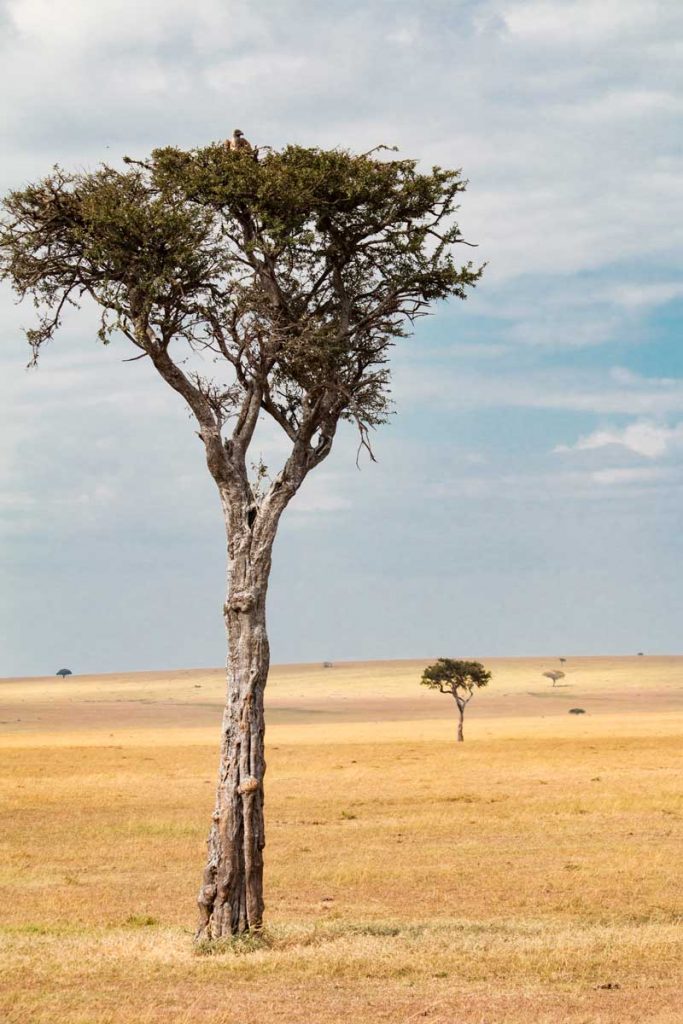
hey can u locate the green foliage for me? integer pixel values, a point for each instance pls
(297, 270)
(459, 678)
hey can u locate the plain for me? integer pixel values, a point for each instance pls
(529, 874)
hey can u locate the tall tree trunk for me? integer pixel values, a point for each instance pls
(461, 721)
(231, 895)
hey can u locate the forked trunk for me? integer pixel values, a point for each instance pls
(461, 704)
(231, 895)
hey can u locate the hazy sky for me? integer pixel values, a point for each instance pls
(527, 497)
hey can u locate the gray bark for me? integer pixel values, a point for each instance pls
(231, 894)
(462, 704)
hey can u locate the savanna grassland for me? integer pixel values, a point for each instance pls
(531, 874)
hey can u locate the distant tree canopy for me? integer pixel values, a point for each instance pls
(555, 674)
(64, 672)
(460, 679)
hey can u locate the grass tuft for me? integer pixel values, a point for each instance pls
(235, 945)
(375, 928)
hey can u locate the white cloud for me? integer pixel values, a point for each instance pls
(550, 486)
(627, 103)
(576, 21)
(638, 296)
(79, 26)
(294, 73)
(454, 387)
(405, 32)
(644, 438)
(619, 475)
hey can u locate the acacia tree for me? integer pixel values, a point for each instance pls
(460, 679)
(555, 674)
(253, 287)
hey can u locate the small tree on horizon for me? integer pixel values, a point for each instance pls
(252, 287)
(459, 678)
(555, 674)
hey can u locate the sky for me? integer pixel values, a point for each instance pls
(527, 494)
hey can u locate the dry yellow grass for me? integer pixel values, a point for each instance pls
(500, 881)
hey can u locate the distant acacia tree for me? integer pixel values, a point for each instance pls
(460, 679)
(253, 287)
(554, 674)
(63, 672)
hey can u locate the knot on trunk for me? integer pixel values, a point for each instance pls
(249, 785)
(242, 601)
(207, 895)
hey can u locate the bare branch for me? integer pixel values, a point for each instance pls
(377, 149)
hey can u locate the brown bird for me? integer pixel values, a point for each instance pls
(238, 142)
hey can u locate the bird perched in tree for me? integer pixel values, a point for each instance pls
(238, 142)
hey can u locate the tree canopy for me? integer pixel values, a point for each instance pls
(294, 273)
(554, 674)
(459, 678)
